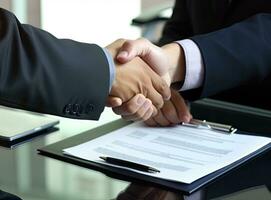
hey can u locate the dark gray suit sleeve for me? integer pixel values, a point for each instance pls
(41, 73)
(237, 55)
(8, 196)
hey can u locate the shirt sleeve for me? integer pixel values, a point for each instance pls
(194, 73)
(111, 68)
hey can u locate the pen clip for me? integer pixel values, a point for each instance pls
(196, 123)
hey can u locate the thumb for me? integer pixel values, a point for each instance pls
(123, 56)
(133, 48)
(148, 52)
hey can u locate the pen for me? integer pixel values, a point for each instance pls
(195, 123)
(132, 165)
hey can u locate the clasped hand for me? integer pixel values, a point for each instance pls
(144, 73)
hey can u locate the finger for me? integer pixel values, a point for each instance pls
(130, 107)
(160, 85)
(151, 122)
(139, 114)
(155, 97)
(181, 107)
(113, 102)
(154, 112)
(161, 120)
(170, 113)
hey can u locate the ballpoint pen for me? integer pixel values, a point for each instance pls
(132, 165)
(195, 123)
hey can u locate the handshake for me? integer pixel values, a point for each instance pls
(143, 75)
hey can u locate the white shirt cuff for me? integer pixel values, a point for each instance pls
(194, 72)
(112, 70)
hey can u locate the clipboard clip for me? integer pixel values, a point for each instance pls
(196, 123)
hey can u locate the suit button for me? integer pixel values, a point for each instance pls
(67, 109)
(89, 108)
(76, 109)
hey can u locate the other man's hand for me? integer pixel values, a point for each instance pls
(167, 61)
(173, 112)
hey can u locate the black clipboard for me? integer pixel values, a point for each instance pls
(55, 151)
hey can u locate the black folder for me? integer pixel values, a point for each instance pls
(55, 151)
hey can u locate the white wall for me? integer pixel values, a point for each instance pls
(91, 21)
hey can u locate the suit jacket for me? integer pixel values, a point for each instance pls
(8, 196)
(41, 73)
(234, 38)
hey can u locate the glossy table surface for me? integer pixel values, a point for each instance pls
(34, 177)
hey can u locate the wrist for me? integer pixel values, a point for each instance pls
(176, 59)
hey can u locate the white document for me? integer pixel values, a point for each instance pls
(182, 154)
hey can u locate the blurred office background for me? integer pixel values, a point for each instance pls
(92, 21)
(95, 21)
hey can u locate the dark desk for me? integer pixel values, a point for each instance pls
(35, 177)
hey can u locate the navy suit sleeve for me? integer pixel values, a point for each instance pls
(41, 73)
(237, 55)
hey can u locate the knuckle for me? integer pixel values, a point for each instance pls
(164, 87)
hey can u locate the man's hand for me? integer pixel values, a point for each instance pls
(173, 112)
(135, 77)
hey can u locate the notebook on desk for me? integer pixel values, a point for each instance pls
(16, 124)
(169, 176)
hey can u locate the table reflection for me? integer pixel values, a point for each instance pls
(141, 192)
